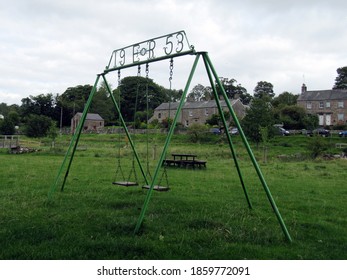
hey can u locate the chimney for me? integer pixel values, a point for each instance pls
(303, 88)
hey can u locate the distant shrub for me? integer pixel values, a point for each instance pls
(317, 146)
(197, 132)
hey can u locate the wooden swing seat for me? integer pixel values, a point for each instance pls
(157, 188)
(125, 183)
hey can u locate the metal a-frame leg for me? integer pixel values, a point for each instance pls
(249, 150)
(73, 143)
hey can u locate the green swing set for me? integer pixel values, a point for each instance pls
(149, 51)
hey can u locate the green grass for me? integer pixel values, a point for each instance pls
(203, 216)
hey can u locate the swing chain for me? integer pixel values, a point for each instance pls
(138, 70)
(119, 77)
(147, 70)
(171, 72)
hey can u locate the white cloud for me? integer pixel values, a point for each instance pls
(47, 46)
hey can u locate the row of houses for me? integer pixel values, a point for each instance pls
(191, 113)
(329, 105)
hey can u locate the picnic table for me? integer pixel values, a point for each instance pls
(184, 160)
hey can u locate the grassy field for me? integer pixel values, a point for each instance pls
(203, 216)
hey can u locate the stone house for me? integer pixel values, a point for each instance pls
(329, 105)
(93, 122)
(196, 112)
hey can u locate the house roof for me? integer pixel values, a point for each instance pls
(331, 94)
(195, 105)
(91, 117)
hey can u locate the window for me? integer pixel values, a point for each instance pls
(340, 104)
(340, 117)
(190, 113)
(321, 104)
(206, 111)
(159, 115)
(327, 104)
(309, 105)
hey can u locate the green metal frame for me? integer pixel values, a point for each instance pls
(212, 75)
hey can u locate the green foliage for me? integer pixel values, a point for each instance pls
(38, 125)
(197, 132)
(292, 116)
(103, 105)
(216, 120)
(42, 104)
(154, 124)
(199, 93)
(264, 132)
(231, 89)
(7, 126)
(133, 94)
(166, 123)
(72, 101)
(341, 79)
(259, 115)
(284, 99)
(311, 121)
(317, 146)
(264, 90)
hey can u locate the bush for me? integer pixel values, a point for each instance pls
(317, 146)
(7, 127)
(38, 126)
(197, 132)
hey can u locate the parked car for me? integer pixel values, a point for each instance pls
(281, 131)
(319, 131)
(234, 131)
(343, 133)
(215, 130)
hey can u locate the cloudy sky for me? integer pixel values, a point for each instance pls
(49, 45)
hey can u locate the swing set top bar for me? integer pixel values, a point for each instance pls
(155, 49)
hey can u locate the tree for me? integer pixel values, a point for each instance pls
(133, 93)
(216, 119)
(341, 79)
(196, 132)
(103, 105)
(72, 101)
(285, 98)
(264, 90)
(42, 104)
(292, 117)
(7, 127)
(232, 90)
(199, 93)
(259, 115)
(38, 125)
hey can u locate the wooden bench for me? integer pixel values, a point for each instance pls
(185, 163)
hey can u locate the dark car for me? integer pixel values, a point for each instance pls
(319, 131)
(343, 133)
(215, 130)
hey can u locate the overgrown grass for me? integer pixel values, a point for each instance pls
(203, 216)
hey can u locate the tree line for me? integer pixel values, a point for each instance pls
(138, 96)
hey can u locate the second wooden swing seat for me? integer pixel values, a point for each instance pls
(125, 183)
(157, 188)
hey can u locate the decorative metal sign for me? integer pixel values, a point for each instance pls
(155, 49)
